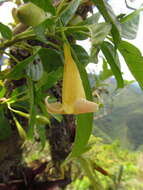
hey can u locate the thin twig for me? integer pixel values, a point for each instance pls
(11, 56)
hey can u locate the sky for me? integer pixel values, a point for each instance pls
(118, 7)
(5, 12)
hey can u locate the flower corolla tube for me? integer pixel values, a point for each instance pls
(73, 96)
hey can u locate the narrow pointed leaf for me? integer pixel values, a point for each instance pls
(131, 15)
(92, 19)
(18, 70)
(106, 72)
(109, 16)
(69, 11)
(51, 59)
(130, 28)
(88, 170)
(130, 24)
(21, 131)
(40, 30)
(133, 59)
(108, 51)
(81, 54)
(83, 132)
(32, 112)
(42, 134)
(5, 31)
(49, 79)
(99, 32)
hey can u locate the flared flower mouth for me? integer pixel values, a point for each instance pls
(73, 96)
(79, 107)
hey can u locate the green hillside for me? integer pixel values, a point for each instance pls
(124, 117)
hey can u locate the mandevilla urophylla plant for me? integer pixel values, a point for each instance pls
(49, 151)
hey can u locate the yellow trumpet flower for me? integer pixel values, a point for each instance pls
(73, 95)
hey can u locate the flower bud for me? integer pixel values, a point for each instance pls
(30, 14)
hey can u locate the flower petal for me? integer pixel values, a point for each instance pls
(73, 95)
(55, 108)
(85, 106)
(72, 84)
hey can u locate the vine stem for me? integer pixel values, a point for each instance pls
(61, 5)
(14, 40)
(27, 35)
(11, 56)
(39, 118)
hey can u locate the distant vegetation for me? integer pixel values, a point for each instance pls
(115, 167)
(122, 116)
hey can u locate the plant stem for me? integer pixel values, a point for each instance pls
(16, 39)
(90, 173)
(29, 34)
(39, 118)
(11, 56)
(61, 5)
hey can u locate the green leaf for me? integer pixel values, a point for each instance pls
(21, 131)
(106, 72)
(50, 79)
(92, 19)
(88, 21)
(83, 132)
(90, 173)
(80, 32)
(46, 5)
(2, 91)
(110, 55)
(80, 35)
(51, 59)
(133, 59)
(42, 134)
(129, 29)
(130, 24)
(109, 16)
(5, 129)
(5, 31)
(84, 121)
(32, 111)
(99, 32)
(81, 54)
(42, 27)
(69, 11)
(130, 16)
(18, 70)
